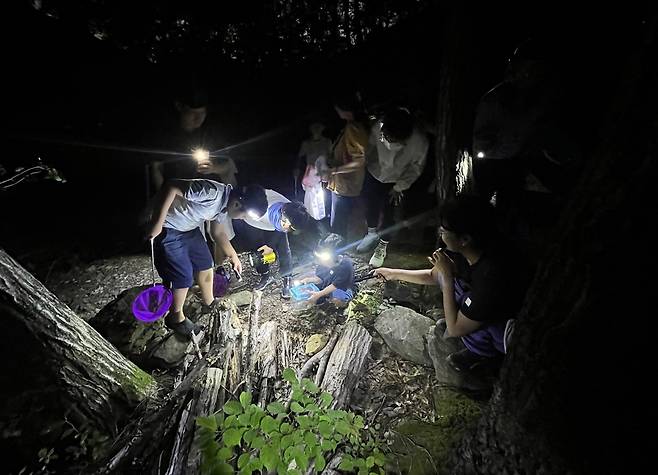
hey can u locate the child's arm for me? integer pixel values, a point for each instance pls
(315, 296)
(163, 200)
(224, 243)
(421, 276)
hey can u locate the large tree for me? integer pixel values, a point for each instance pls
(574, 394)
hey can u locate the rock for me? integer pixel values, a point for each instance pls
(149, 345)
(412, 295)
(315, 343)
(241, 298)
(404, 332)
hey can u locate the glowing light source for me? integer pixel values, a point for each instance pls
(252, 214)
(324, 256)
(201, 155)
(480, 155)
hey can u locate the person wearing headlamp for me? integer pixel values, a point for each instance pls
(180, 208)
(268, 234)
(334, 274)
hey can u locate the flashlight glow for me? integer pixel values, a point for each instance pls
(201, 155)
(295, 283)
(323, 255)
(480, 155)
(252, 214)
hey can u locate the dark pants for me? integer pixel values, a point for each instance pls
(180, 255)
(377, 200)
(341, 209)
(248, 238)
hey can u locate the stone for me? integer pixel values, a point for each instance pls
(241, 298)
(404, 331)
(315, 343)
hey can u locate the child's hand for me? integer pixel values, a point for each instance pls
(384, 273)
(313, 299)
(237, 265)
(154, 231)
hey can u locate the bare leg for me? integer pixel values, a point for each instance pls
(177, 305)
(205, 278)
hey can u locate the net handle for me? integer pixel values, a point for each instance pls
(152, 263)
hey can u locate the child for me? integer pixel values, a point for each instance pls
(334, 274)
(181, 252)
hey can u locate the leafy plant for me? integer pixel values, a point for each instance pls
(245, 438)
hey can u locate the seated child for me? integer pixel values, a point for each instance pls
(334, 274)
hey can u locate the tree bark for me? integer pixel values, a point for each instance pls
(571, 397)
(346, 364)
(100, 380)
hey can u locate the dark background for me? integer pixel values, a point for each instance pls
(87, 105)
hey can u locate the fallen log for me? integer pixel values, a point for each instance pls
(346, 364)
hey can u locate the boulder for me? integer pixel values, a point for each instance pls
(404, 332)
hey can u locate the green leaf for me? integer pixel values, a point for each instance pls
(346, 464)
(296, 407)
(244, 420)
(370, 461)
(219, 417)
(232, 436)
(304, 422)
(222, 469)
(207, 423)
(310, 439)
(224, 454)
(380, 458)
(256, 417)
(243, 460)
(320, 463)
(285, 428)
(269, 457)
(310, 386)
(268, 424)
(336, 415)
(325, 429)
(290, 376)
(231, 421)
(343, 427)
(328, 445)
(249, 436)
(282, 469)
(358, 422)
(233, 407)
(286, 441)
(312, 407)
(258, 442)
(245, 399)
(325, 400)
(297, 395)
(302, 460)
(275, 408)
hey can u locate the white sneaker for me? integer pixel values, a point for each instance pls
(377, 259)
(368, 241)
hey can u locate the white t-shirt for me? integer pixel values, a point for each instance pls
(202, 200)
(264, 221)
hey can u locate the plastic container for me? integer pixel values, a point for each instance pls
(303, 292)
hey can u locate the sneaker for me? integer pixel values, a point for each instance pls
(209, 308)
(377, 259)
(265, 280)
(285, 288)
(369, 241)
(184, 328)
(465, 360)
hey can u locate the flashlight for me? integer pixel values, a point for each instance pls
(323, 255)
(201, 155)
(480, 155)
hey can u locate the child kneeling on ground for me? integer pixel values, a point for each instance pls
(334, 274)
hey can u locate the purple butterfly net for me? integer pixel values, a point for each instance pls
(152, 303)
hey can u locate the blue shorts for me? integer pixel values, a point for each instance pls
(180, 255)
(342, 295)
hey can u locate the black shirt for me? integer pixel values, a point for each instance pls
(495, 285)
(341, 275)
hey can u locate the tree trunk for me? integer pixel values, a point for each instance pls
(99, 379)
(457, 97)
(571, 396)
